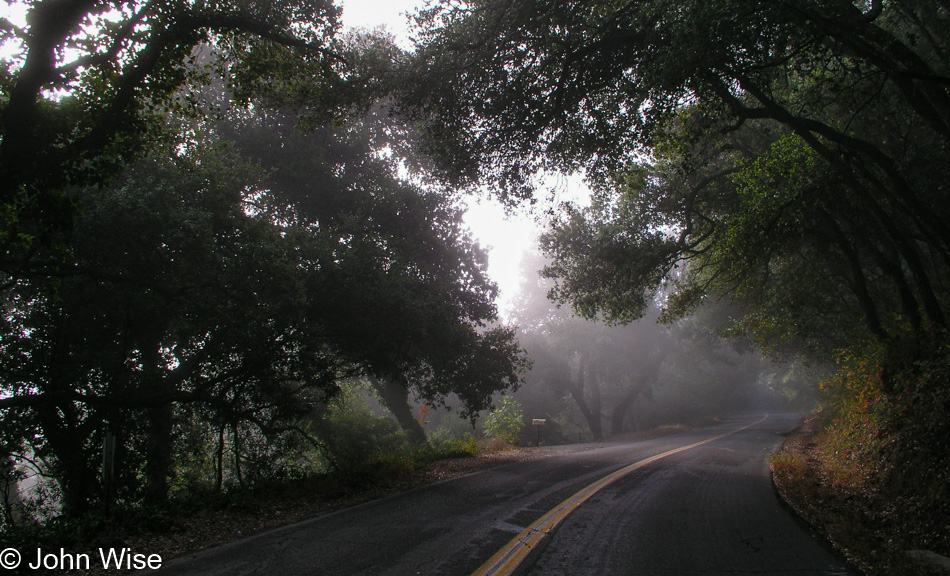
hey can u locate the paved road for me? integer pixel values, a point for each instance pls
(710, 509)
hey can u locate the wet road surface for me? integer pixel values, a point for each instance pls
(710, 509)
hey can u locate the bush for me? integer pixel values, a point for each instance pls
(505, 422)
(857, 417)
(444, 444)
(356, 438)
(887, 438)
(918, 479)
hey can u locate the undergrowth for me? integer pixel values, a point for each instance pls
(368, 463)
(872, 469)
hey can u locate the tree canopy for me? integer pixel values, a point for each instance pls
(91, 83)
(205, 232)
(742, 136)
(214, 216)
(788, 155)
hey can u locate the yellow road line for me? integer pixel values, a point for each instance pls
(510, 557)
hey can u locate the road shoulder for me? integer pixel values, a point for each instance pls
(848, 516)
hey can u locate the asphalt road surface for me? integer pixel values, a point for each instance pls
(705, 506)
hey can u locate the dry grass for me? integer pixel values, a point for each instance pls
(496, 446)
(841, 503)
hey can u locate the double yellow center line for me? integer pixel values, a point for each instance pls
(510, 557)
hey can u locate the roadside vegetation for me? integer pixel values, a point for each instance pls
(787, 158)
(870, 478)
(214, 240)
(233, 258)
(367, 456)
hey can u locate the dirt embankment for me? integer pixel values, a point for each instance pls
(847, 509)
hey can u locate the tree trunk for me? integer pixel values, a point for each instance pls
(649, 370)
(10, 488)
(593, 382)
(395, 396)
(236, 445)
(859, 284)
(219, 473)
(577, 393)
(158, 455)
(74, 468)
(620, 410)
(158, 449)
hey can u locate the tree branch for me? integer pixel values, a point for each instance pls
(7, 26)
(120, 37)
(231, 22)
(133, 400)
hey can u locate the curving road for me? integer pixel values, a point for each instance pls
(706, 506)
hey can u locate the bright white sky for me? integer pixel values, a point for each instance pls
(507, 238)
(373, 13)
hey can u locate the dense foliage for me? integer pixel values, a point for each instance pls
(90, 84)
(215, 216)
(206, 238)
(788, 155)
(742, 135)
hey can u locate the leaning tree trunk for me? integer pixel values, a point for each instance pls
(640, 389)
(620, 410)
(591, 416)
(395, 396)
(593, 381)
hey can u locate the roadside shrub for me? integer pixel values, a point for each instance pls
(496, 445)
(469, 445)
(858, 410)
(356, 438)
(506, 421)
(918, 475)
(444, 443)
(893, 448)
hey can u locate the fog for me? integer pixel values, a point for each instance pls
(590, 381)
